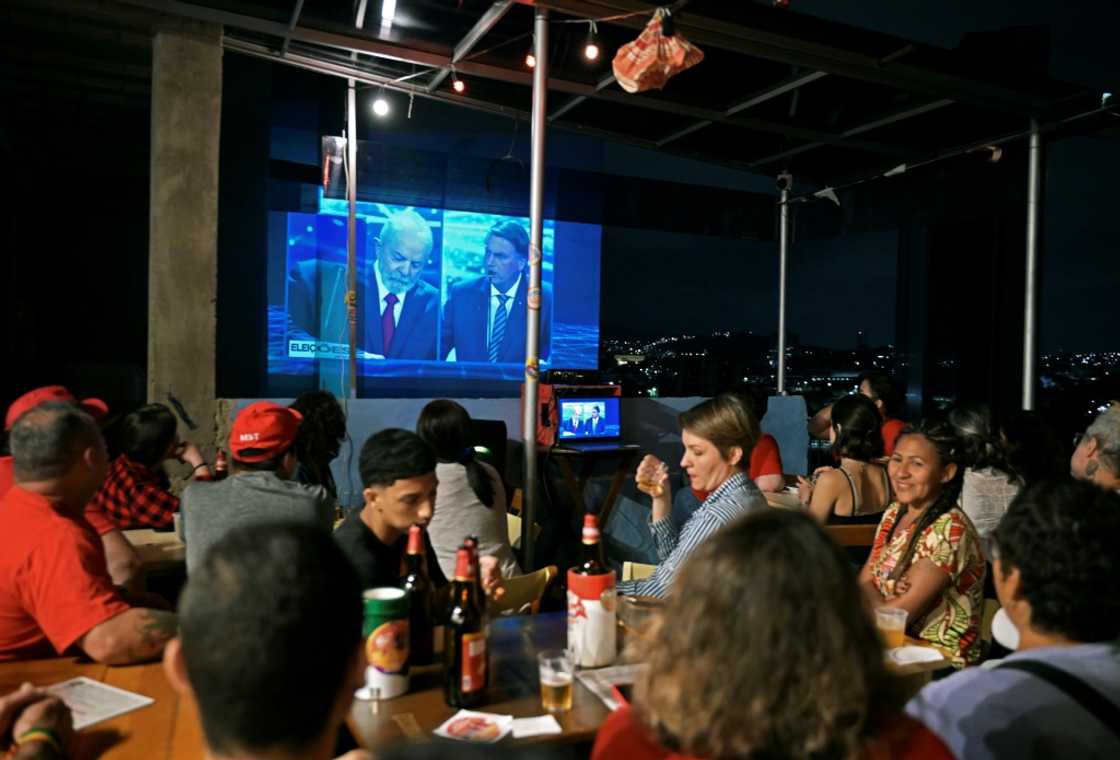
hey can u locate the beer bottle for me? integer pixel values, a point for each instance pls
(471, 542)
(419, 587)
(221, 467)
(464, 640)
(591, 603)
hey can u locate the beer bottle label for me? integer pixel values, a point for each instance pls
(473, 666)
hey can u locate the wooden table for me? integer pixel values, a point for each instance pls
(167, 729)
(514, 690)
(159, 551)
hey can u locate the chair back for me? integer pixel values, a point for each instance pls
(523, 593)
(853, 535)
(636, 571)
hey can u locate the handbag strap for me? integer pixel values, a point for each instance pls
(1091, 700)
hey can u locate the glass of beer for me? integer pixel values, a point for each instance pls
(556, 680)
(651, 476)
(891, 623)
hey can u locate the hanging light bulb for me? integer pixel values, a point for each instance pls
(381, 105)
(591, 49)
(530, 60)
(458, 85)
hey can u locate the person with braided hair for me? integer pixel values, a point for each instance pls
(319, 439)
(926, 558)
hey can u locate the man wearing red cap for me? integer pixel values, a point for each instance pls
(123, 562)
(55, 592)
(260, 488)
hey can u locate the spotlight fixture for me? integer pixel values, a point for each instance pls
(381, 105)
(530, 60)
(591, 48)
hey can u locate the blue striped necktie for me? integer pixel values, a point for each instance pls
(498, 329)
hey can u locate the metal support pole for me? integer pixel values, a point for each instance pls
(783, 257)
(352, 237)
(529, 411)
(351, 217)
(1030, 302)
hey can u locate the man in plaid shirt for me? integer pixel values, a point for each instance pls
(135, 493)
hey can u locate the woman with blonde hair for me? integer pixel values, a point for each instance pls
(765, 651)
(718, 435)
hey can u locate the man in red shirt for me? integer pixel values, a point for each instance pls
(55, 591)
(123, 562)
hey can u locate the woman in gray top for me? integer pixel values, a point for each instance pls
(470, 498)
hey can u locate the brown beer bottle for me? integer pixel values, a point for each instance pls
(591, 603)
(471, 542)
(419, 587)
(221, 467)
(464, 640)
(593, 562)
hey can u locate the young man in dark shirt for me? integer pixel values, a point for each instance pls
(399, 483)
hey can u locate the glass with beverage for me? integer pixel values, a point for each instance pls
(891, 623)
(556, 680)
(652, 475)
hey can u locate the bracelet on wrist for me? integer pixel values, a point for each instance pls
(44, 735)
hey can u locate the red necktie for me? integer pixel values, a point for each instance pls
(388, 326)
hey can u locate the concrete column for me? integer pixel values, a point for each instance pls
(183, 222)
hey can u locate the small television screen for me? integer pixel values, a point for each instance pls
(589, 418)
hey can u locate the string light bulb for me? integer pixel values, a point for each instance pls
(530, 60)
(381, 105)
(458, 85)
(591, 48)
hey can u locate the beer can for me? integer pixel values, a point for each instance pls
(385, 630)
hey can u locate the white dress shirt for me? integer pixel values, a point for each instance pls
(495, 302)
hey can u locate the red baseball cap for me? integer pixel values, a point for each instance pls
(266, 429)
(95, 407)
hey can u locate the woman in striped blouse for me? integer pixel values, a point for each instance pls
(718, 435)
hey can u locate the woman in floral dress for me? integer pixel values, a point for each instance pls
(926, 558)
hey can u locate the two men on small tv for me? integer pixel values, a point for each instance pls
(583, 421)
(484, 316)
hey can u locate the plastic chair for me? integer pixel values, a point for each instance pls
(513, 527)
(635, 571)
(523, 593)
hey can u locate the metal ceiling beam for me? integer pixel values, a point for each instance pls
(437, 57)
(347, 70)
(298, 9)
(897, 116)
(602, 84)
(759, 97)
(463, 48)
(794, 51)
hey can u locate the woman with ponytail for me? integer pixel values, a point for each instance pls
(989, 482)
(470, 498)
(926, 558)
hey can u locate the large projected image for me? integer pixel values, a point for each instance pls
(441, 294)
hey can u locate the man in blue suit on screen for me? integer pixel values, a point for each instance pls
(484, 317)
(595, 424)
(397, 311)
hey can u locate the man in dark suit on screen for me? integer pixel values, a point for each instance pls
(397, 311)
(594, 424)
(484, 319)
